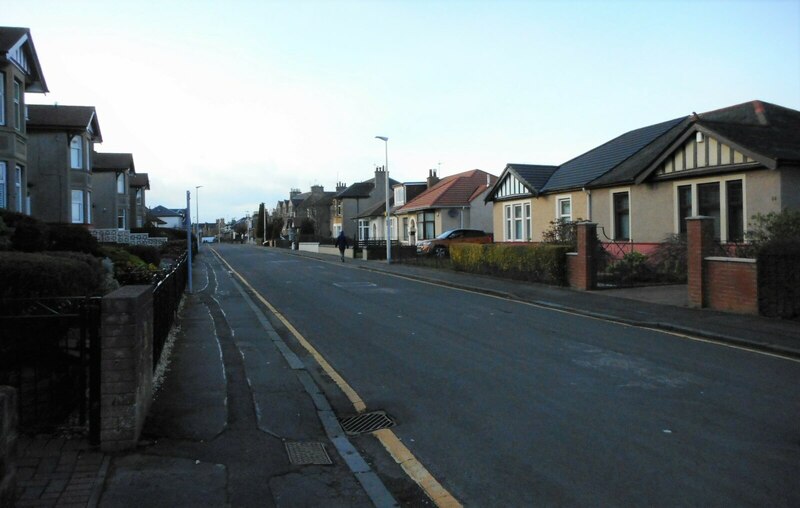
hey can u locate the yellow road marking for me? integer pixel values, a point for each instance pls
(399, 452)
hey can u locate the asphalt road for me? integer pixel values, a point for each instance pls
(508, 404)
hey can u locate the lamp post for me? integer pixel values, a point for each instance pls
(197, 210)
(386, 191)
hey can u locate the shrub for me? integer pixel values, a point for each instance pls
(28, 275)
(69, 237)
(669, 258)
(562, 233)
(535, 263)
(764, 228)
(631, 268)
(173, 249)
(147, 253)
(128, 268)
(30, 235)
(5, 236)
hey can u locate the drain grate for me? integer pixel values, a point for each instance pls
(367, 422)
(303, 454)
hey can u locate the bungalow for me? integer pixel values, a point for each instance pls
(456, 201)
(168, 217)
(20, 73)
(61, 140)
(112, 172)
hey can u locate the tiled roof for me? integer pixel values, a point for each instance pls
(65, 117)
(534, 176)
(162, 211)
(140, 180)
(379, 209)
(452, 191)
(112, 161)
(581, 170)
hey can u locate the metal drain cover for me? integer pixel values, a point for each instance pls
(303, 454)
(367, 422)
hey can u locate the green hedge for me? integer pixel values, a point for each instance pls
(29, 275)
(534, 263)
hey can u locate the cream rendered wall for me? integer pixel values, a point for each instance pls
(790, 188)
(544, 210)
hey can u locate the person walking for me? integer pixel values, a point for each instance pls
(341, 242)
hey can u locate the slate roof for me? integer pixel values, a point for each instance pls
(70, 118)
(581, 170)
(112, 161)
(532, 176)
(452, 191)
(162, 211)
(361, 189)
(379, 209)
(10, 37)
(140, 180)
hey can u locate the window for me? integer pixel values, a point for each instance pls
(338, 208)
(564, 209)
(77, 207)
(684, 206)
(139, 193)
(122, 216)
(88, 208)
(18, 188)
(363, 229)
(17, 105)
(3, 186)
(121, 183)
(76, 152)
(2, 98)
(622, 216)
(337, 228)
(405, 228)
(734, 198)
(708, 203)
(399, 196)
(427, 225)
(518, 222)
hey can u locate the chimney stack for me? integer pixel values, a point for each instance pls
(432, 178)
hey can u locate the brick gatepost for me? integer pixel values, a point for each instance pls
(699, 245)
(582, 267)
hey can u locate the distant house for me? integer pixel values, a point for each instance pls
(376, 215)
(138, 183)
(351, 202)
(169, 217)
(315, 206)
(20, 73)
(111, 177)
(61, 140)
(456, 201)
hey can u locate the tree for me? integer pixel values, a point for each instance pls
(307, 226)
(276, 226)
(260, 223)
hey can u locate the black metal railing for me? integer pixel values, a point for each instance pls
(50, 352)
(167, 295)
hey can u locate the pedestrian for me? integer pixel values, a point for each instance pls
(341, 242)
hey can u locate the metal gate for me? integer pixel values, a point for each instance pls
(50, 352)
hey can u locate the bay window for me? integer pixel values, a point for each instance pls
(77, 206)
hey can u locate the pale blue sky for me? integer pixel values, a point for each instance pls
(252, 98)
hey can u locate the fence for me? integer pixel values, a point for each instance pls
(167, 296)
(50, 352)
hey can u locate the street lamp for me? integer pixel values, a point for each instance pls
(197, 209)
(386, 190)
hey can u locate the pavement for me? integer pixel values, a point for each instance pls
(230, 401)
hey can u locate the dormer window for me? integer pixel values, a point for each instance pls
(399, 196)
(121, 183)
(76, 152)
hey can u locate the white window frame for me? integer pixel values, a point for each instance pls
(723, 200)
(337, 228)
(88, 207)
(399, 196)
(17, 101)
(560, 199)
(120, 183)
(77, 209)
(18, 172)
(612, 211)
(3, 184)
(511, 219)
(123, 214)
(363, 225)
(76, 152)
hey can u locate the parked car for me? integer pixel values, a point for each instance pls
(440, 246)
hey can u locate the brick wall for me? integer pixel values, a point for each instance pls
(731, 284)
(582, 266)
(126, 380)
(8, 445)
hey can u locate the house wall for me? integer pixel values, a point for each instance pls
(544, 210)
(481, 214)
(790, 188)
(49, 173)
(107, 201)
(498, 218)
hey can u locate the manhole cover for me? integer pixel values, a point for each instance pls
(367, 422)
(302, 454)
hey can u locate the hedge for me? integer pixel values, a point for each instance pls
(30, 275)
(30, 235)
(533, 263)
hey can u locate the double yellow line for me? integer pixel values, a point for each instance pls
(399, 452)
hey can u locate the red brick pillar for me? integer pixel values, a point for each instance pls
(583, 267)
(700, 245)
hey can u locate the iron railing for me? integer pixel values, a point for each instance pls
(167, 294)
(50, 352)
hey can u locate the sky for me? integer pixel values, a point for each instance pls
(251, 98)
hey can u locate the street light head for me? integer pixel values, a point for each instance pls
(383, 138)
